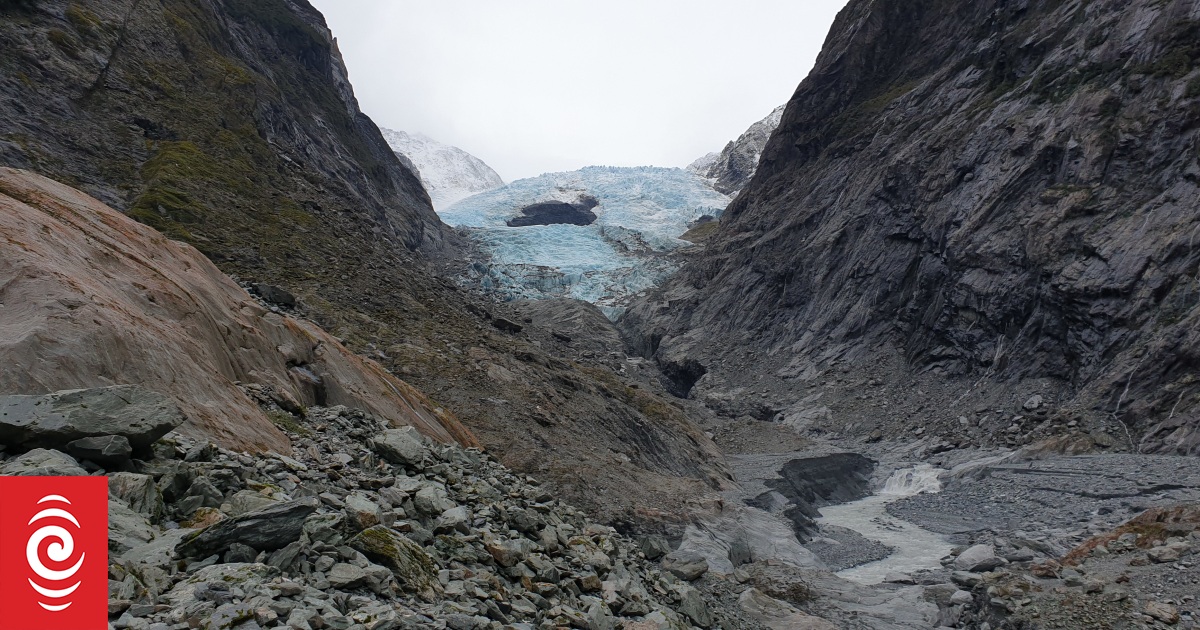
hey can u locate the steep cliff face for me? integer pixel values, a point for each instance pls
(230, 125)
(731, 169)
(1001, 193)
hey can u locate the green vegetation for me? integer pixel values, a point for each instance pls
(857, 117)
(64, 42)
(84, 21)
(287, 422)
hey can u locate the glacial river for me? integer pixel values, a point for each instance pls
(915, 548)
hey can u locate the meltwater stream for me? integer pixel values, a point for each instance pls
(915, 548)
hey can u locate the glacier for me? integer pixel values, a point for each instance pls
(642, 211)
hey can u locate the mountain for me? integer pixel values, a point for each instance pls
(448, 173)
(967, 205)
(732, 168)
(596, 234)
(231, 126)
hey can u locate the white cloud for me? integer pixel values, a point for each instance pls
(532, 86)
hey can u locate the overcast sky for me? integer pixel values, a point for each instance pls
(533, 86)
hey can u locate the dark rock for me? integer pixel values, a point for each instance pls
(55, 420)
(507, 325)
(551, 212)
(264, 530)
(275, 295)
(105, 450)
(812, 482)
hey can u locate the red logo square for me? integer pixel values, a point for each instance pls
(54, 553)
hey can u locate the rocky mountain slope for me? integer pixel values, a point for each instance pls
(231, 126)
(964, 204)
(91, 298)
(448, 173)
(731, 169)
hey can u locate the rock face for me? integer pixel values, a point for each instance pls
(731, 169)
(993, 190)
(90, 297)
(218, 122)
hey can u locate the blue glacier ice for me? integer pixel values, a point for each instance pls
(641, 213)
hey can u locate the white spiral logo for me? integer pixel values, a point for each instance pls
(59, 551)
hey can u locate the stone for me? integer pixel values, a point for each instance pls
(978, 558)
(685, 565)
(455, 518)
(324, 528)
(692, 605)
(275, 295)
(57, 419)
(413, 568)
(654, 547)
(432, 499)
(1163, 612)
(404, 446)
(362, 512)
(106, 450)
(506, 325)
(126, 529)
(265, 530)
(961, 598)
(139, 492)
(245, 501)
(42, 463)
(506, 553)
(346, 576)
(1033, 403)
(1165, 554)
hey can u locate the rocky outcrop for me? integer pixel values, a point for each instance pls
(1000, 193)
(552, 212)
(103, 422)
(89, 298)
(731, 169)
(230, 125)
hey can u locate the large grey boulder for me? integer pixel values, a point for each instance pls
(978, 558)
(55, 420)
(265, 530)
(42, 462)
(404, 446)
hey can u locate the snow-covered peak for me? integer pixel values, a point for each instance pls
(448, 173)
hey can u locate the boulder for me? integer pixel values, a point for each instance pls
(685, 565)
(265, 530)
(106, 450)
(55, 420)
(413, 568)
(977, 559)
(346, 576)
(139, 492)
(42, 462)
(404, 446)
